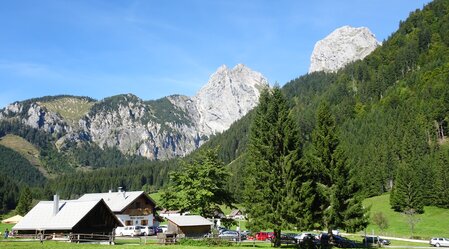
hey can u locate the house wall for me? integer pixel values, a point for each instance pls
(189, 231)
(139, 212)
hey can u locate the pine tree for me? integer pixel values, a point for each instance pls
(441, 184)
(25, 201)
(407, 193)
(274, 154)
(337, 191)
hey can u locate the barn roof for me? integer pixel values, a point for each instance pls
(41, 217)
(13, 220)
(116, 201)
(189, 220)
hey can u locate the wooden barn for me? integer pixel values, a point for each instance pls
(192, 226)
(68, 216)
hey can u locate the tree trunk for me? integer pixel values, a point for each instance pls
(277, 238)
(330, 236)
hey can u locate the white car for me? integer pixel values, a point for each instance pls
(439, 242)
(164, 228)
(146, 230)
(300, 237)
(128, 231)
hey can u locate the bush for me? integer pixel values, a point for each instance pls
(205, 242)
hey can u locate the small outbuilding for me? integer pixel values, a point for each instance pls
(13, 220)
(191, 226)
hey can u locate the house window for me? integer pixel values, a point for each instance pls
(128, 223)
(144, 222)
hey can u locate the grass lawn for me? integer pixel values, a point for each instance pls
(120, 244)
(434, 221)
(3, 228)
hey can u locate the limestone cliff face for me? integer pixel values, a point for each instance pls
(229, 94)
(158, 129)
(342, 46)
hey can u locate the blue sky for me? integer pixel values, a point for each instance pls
(155, 48)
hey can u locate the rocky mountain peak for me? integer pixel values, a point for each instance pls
(159, 129)
(342, 46)
(228, 95)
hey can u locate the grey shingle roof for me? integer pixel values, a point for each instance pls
(189, 220)
(41, 216)
(116, 201)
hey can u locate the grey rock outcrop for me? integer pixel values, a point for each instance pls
(229, 95)
(160, 129)
(342, 46)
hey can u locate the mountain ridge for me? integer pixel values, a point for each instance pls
(168, 127)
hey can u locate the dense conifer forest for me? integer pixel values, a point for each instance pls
(391, 112)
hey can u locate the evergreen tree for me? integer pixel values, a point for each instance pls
(337, 190)
(346, 209)
(274, 153)
(407, 193)
(441, 184)
(25, 201)
(198, 186)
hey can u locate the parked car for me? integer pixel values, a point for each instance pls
(156, 229)
(300, 237)
(264, 235)
(287, 238)
(128, 231)
(343, 242)
(439, 242)
(309, 240)
(148, 231)
(375, 240)
(339, 241)
(232, 235)
(222, 229)
(163, 228)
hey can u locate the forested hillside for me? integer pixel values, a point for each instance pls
(391, 110)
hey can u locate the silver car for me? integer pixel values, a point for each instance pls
(439, 242)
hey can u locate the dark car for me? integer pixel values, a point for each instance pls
(156, 230)
(375, 240)
(287, 238)
(343, 242)
(232, 235)
(337, 240)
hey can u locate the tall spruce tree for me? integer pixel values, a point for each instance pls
(25, 201)
(337, 191)
(273, 168)
(406, 194)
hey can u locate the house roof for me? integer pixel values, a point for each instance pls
(166, 211)
(13, 220)
(116, 201)
(41, 217)
(190, 220)
(235, 212)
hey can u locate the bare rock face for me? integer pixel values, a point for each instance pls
(228, 96)
(159, 129)
(344, 45)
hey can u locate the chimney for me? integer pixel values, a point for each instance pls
(55, 205)
(110, 191)
(119, 189)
